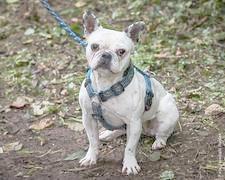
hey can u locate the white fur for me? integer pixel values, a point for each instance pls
(128, 107)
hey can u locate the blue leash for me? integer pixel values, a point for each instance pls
(63, 25)
(97, 107)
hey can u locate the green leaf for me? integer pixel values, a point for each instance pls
(76, 28)
(75, 155)
(220, 36)
(155, 156)
(29, 31)
(167, 175)
(15, 146)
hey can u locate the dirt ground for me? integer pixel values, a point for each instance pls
(41, 134)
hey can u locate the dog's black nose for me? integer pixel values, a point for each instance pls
(107, 56)
(105, 60)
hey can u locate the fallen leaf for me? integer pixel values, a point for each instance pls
(155, 156)
(19, 103)
(42, 124)
(15, 146)
(220, 36)
(29, 31)
(76, 126)
(64, 92)
(74, 20)
(11, 1)
(38, 110)
(45, 35)
(19, 174)
(75, 155)
(214, 109)
(80, 4)
(167, 175)
(29, 41)
(71, 85)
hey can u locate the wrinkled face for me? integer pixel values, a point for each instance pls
(109, 50)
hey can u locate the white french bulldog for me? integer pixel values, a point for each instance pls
(108, 53)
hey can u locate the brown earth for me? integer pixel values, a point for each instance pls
(192, 152)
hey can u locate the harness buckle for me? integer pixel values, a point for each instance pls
(102, 96)
(96, 117)
(117, 88)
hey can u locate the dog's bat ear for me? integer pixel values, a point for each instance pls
(90, 23)
(135, 30)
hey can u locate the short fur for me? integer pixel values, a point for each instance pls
(128, 107)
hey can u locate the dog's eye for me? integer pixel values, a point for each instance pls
(94, 47)
(120, 52)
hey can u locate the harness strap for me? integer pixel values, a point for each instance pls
(149, 94)
(115, 90)
(97, 115)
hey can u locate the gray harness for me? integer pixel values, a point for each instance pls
(115, 90)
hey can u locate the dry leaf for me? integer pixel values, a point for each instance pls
(75, 20)
(11, 1)
(42, 124)
(155, 156)
(76, 126)
(64, 92)
(29, 31)
(80, 4)
(76, 155)
(38, 110)
(214, 109)
(15, 146)
(19, 103)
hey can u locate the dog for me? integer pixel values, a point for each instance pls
(109, 56)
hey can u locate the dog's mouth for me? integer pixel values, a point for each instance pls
(104, 69)
(100, 67)
(103, 63)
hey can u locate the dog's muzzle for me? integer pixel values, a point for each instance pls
(105, 60)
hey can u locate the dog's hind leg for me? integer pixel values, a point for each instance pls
(166, 121)
(108, 135)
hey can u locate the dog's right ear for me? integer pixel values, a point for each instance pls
(90, 23)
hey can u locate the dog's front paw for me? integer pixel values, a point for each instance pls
(130, 165)
(89, 159)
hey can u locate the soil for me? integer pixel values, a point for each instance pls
(192, 152)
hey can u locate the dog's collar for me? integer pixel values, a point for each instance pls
(115, 90)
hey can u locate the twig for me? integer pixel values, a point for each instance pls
(50, 152)
(199, 23)
(181, 129)
(45, 153)
(220, 45)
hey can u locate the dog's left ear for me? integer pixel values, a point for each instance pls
(135, 30)
(90, 23)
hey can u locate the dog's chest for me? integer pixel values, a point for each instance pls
(118, 110)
